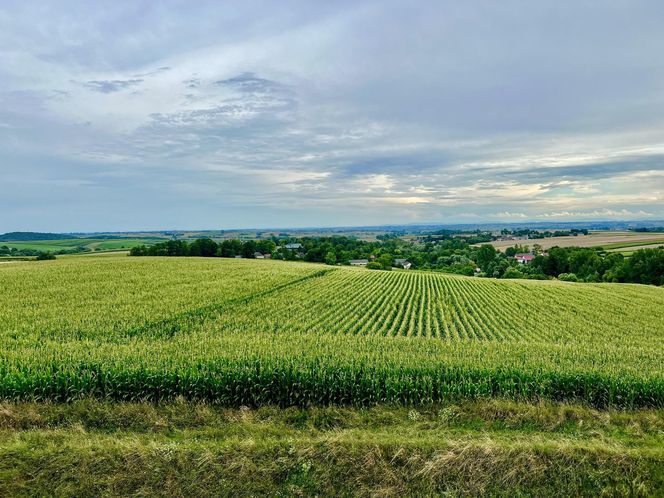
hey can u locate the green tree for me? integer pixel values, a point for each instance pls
(231, 248)
(512, 273)
(330, 258)
(385, 261)
(248, 249)
(204, 247)
(485, 255)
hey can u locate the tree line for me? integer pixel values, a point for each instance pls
(439, 252)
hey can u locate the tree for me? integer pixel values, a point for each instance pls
(485, 255)
(385, 261)
(330, 258)
(230, 248)
(645, 266)
(568, 277)
(176, 248)
(45, 256)
(141, 250)
(512, 273)
(266, 246)
(511, 251)
(248, 249)
(203, 247)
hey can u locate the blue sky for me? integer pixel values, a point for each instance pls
(154, 115)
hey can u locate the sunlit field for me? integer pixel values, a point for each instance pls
(242, 332)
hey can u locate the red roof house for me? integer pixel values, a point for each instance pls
(524, 257)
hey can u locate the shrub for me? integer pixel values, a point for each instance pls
(568, 277)
(512, 273)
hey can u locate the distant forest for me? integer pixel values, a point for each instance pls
(32, 236)
(439, 252)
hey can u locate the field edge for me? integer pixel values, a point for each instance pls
(494, 447)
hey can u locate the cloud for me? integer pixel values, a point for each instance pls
(329, 113)
(598, 213)
(250, 83)
(506, 215)
(111, 86)
(155, 72)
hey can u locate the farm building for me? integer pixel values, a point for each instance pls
(258, 255)
(359, 262)
(402, 263)
(293, 246)
(524, 258)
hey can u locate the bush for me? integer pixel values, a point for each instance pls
(45, 256)
(568, 277)
(374, 266)
(512, 273)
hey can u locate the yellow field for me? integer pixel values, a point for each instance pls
(593, 239)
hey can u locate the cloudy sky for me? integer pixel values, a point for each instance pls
(130, 115)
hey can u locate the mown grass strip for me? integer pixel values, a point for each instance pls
(492, 448)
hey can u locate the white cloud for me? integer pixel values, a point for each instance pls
(356, 112)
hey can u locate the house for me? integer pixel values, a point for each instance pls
(524, 258)
(359, 262)
(293, 246)
(258, 255)
(402, 263)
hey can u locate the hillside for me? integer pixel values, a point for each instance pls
(220, 377)
(32, 236)
(247, 332)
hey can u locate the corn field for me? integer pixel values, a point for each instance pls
(241, 332)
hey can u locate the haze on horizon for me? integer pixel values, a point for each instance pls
(136, 115)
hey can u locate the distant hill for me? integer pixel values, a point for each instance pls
(30, 236)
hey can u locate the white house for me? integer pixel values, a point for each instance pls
(403, 263)
(523, 258)
(359, 262)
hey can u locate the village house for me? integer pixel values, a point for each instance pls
(258, 255)
(402, 263)
(293, 246)
(524, 258)
(359, 262)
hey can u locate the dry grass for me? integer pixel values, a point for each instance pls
(491, 448)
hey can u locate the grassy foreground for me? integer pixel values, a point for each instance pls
(496, 448)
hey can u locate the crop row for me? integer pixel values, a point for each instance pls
(261, 332)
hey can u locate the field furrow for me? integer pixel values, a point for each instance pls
(269, 332)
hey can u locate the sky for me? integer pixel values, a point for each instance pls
(133, 115)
